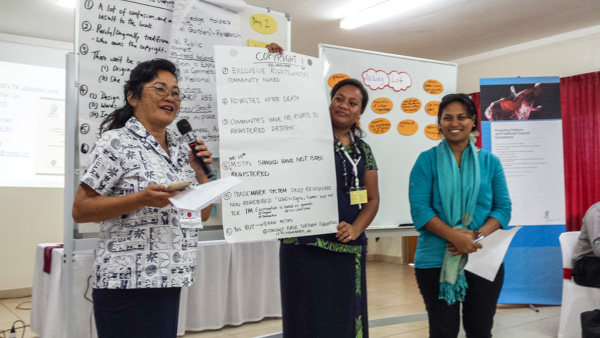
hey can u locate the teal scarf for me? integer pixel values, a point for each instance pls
(459, 189)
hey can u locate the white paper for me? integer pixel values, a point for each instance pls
(486, 261)
(196, 28)
(237, 6)
(275, 132)
(532, 156)
(200, 196)
(114, 36)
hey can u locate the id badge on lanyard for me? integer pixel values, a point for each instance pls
(358, 194)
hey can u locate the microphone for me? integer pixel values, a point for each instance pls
(185, 129)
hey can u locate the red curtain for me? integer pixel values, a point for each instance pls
(580, 105)
(475, 98)
(580, 108)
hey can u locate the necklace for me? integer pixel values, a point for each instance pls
(340, 149)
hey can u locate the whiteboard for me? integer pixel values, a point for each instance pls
(113, 36)
(407, 80)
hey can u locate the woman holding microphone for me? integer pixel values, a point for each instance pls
(145, 254)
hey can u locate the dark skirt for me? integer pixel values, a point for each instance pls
(323, 292)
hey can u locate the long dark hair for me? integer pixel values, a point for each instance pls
(139, 76)
(365, 99)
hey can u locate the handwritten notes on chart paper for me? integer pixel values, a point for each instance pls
(115, 36)
(196, 28)
(276, 136)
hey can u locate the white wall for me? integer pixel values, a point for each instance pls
(28, 215)
(562, 55)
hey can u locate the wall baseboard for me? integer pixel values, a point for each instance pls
(385, 259)
(15, 293)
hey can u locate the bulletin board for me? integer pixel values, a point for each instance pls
(113, 36)
(400, 120)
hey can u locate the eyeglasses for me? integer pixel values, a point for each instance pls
(162, 91)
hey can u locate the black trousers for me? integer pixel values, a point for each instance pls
(586, 271)
(132, 313)
(478, 309)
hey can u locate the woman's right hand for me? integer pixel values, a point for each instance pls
(154, 195)
(274, 48)
(462, 242)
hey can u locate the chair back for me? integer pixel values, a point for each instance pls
(568, 241)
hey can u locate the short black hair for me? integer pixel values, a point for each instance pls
(357, 84)
(465, 100)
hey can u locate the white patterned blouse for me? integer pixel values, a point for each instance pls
(145, 248)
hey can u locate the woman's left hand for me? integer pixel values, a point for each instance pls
(470, 234)
(200, 151)
(346, 232)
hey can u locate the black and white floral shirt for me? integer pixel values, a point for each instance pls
(145, 248)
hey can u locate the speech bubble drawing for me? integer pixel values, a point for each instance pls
(375, 79)
(399, 80)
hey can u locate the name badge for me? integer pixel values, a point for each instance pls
(358, 195)
(190, 219)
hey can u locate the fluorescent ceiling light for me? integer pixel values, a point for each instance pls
(65, 3)
(379, 12)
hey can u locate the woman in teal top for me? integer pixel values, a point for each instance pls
(458, 194)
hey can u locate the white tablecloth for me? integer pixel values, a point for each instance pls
(235, 283)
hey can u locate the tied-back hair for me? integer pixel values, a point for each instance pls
(465, 100)
(365, 99)
(139, 76)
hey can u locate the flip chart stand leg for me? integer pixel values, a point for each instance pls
(534, 308)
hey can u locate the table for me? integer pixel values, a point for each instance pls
(235, 283)
(392, 231)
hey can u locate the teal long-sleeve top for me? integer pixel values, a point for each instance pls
(425, 203)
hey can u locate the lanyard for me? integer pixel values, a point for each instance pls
(353, 161)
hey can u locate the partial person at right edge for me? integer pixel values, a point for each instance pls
(586, 259)
(458, 194)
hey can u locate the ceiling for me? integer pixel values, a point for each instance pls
(442, 30)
